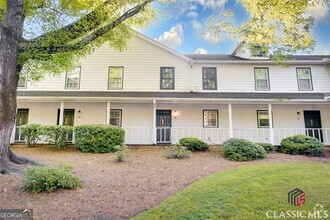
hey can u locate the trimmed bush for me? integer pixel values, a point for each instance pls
(242, 150)
(177, 152)
(32, 133)
(58, 135)
(194, 144)
(267, 146)
(302, 144)
(121, 154)
(98, 138)
(39, 179)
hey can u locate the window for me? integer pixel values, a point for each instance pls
(263, 119)
(261, 78)
(167, 77)
(116, 77)
(115, 117)
(210, 118)
(73, 78)
(209, 78)
(304, 79)
(22, 80)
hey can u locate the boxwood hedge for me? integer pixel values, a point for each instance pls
(98, 138)
(193, 144)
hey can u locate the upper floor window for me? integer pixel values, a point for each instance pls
(115, 117)
(304, 79)
(22, 80)
(209, 78)
(210, 118)
(167, 77)
(73, 78)
(116, 77)
(261, 78)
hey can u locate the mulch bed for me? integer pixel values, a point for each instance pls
(118, 190)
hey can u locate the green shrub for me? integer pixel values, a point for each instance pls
(58, 135)
(98, 138)
(177, 151)
(121, 153)
(267, 146)
(242, 150)
(194, 144)
(302, 144)
(38, 179)
(32, 133)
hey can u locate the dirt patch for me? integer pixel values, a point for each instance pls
(118, 190)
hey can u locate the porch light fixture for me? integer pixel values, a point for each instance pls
(175, 114)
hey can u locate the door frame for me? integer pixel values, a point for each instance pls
(59, 112)
(165, 110)
(316, 133)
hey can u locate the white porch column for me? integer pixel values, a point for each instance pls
(271, 129)
(154, 129)
(230, 121)
(108, 113)
(61, 113)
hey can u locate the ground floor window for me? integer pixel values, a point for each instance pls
(263, 119)
(210, 119)
(115, 117)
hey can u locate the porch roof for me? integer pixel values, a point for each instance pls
(188, 95)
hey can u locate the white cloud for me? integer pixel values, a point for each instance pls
(200, 51)
(192, 14)
(173, 37)
(210, 37)
(213, 4)
(319, 12)
(196, 25)
(190, 7)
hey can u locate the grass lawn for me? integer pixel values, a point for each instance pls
(247, 192)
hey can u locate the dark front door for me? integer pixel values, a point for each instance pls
(313, 124)
(68, 120)
(21, 119)
(163, 124)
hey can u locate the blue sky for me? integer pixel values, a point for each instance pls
(180, 26)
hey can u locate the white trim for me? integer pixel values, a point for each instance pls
(162, 46)
(108, 113)
(60, 121)
(154, 129)
(271, 129)
(230, 121)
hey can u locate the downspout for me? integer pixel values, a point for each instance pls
(191, 62)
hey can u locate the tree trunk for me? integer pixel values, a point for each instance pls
(10, 33)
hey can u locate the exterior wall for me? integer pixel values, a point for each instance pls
(240, 78)
(141, 61)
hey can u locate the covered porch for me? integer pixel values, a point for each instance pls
(150, 121)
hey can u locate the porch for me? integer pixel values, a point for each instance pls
(163, 121)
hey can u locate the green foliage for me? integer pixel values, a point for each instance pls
(57, 134)
(302, 144)
(32, 133)
(247, 192)
(122, 152)
(98, 138)
(177, 152)
(267, 146)
(39, 179)
(194, 144)
(242, 150)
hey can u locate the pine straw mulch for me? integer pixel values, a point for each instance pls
(118, 190)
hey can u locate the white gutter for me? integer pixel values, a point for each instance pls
(303, 62)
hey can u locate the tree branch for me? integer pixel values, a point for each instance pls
(26, 46)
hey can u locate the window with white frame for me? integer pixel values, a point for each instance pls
(209, 78)
(116, 77)
(263, 119)
(210, 118)
(167, 77)
(73, 78)
(304, 79)
(115, 117)
(22, 80)
(261, 78)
